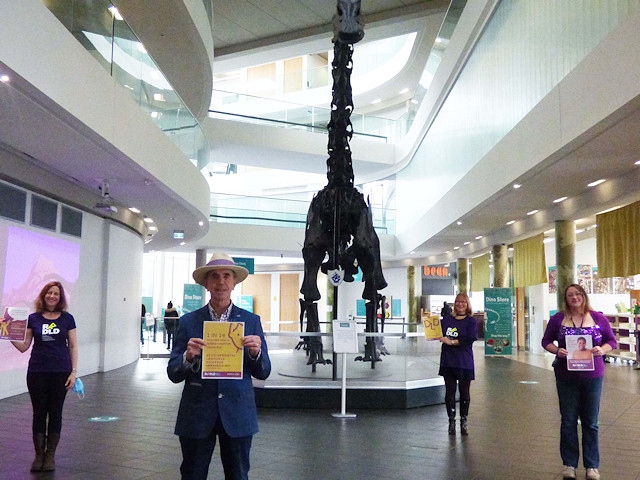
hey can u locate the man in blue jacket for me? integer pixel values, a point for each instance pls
(220, 408)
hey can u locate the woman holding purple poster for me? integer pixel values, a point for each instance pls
(577, 328)
(52, 369)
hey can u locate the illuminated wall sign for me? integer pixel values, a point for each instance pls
(178, 234)
(435, 271)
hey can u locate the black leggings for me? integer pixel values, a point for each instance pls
(450, 384)
(47, 393)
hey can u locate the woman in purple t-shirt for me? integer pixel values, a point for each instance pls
(579, 390)
(52, 370)
(460, 330)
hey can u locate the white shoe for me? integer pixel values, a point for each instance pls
(592, 474)
(569, 472)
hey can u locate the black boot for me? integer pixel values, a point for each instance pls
(464, 411)
(49, 464)
(38, 443)
(450, 403)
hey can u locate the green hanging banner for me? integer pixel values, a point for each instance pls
(498, 330)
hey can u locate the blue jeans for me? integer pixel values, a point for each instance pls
(579, 398)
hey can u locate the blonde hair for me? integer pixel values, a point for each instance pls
(464, 297)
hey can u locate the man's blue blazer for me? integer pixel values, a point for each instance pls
(204, 400)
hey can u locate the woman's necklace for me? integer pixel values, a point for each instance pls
(574, 323)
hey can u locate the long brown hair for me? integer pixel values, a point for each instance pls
(586, 306)
(41, 304)
(464, 297)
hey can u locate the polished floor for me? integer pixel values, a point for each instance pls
(123, 429)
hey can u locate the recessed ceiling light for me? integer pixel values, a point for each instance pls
(115, 13)
(637, 162)
(456, 248)
(532, 212)
(561, 199)
(478, 237)
(201, 223)
(516, 186)
(4, 78)
(467, 243)
(459, 222)
(148, 220)
(511, 222)
(134, 209)
(597, 182)
(152, 228)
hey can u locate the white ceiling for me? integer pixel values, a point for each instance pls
(247, 30)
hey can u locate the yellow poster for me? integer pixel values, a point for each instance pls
(223, 356)
(432, 327)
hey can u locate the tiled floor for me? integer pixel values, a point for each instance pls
(123, 429)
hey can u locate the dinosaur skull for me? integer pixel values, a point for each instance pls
(347, 27)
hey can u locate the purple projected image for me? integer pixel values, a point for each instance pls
(31, 260)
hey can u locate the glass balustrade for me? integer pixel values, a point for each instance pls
(108, 38)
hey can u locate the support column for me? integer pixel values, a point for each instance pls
(413, 317)
(565, 257)
(500, 266)
(463, 275)
(201, 261)
(201, 257)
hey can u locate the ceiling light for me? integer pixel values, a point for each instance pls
(637, 162)
(134, 209)
(459, 222)
(152, 228)
(456, 248)
(511, 222)
(561, 199)
(466, 243)
(148, 220)
(516, 186)
(4, 78)
(114, 11)
(597, 182)
(532, 212)
(201, 223)
(183, 243)
(478, 237)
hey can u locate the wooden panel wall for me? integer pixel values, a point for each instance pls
(289, 302)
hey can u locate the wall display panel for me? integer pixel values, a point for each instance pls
(71, 222)
(44, 213)
(31, 260)
(13, 203)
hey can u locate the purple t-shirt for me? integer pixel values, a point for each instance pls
(50, 351)
(464, 331)
(601, 333)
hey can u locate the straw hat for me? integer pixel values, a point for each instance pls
(219, 261)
